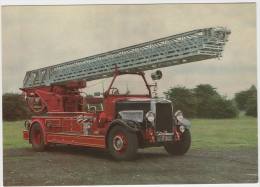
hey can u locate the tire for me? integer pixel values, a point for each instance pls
(180, 147)
(36, 135)
(122, 143)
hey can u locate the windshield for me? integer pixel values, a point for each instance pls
(129, 85)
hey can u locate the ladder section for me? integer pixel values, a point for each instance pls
(182, 48)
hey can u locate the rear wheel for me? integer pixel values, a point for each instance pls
(122, 143)
(36, 135)
(180, 147)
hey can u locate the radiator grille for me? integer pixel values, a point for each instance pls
(164, 118)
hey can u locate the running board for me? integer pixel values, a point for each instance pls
(76, 139)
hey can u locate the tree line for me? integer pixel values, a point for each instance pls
(14, 107)
(203, 101)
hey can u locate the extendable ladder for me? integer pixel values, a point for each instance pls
(182, 48)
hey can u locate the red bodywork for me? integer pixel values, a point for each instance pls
(66, 120)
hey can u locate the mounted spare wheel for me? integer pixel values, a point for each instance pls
(122, 143)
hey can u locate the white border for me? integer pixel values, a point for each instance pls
(81, 2)
(74, 2)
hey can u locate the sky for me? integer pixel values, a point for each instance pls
(38, 36)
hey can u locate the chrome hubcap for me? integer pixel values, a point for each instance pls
(118, 143)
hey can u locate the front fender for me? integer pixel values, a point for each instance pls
(186, 123)
(130, 125)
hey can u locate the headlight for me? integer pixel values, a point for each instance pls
(182, 128)
(179, 115)
(150, 116)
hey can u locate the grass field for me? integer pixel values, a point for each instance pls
(226, 133)
(13, 136)
(206, 133)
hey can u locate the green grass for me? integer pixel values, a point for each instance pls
(224, 133)
(13, 135)
(206, 133)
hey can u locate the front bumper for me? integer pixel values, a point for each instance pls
(164, 137)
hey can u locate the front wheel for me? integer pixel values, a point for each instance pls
(36, 135)
(122, 143)
(180, 147)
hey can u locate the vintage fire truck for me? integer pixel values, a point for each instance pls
(120, 122)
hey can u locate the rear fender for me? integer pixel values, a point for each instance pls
(41, 122)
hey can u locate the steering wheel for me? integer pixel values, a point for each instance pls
(114, 91)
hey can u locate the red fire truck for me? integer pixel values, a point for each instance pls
(117, 121)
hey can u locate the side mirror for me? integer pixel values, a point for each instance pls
(156, 75)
